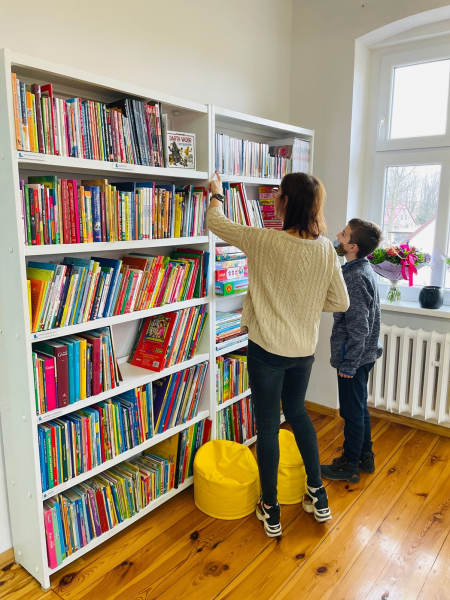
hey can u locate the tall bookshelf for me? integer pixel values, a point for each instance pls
(17, 405)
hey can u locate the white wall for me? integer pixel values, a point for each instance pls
(230, 53)
(324, 34)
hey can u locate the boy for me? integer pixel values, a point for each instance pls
(354, 349)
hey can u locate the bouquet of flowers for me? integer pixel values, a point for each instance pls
(395, 263)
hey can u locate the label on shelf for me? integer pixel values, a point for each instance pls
(31, 156)
(50, 415)
(124, 166)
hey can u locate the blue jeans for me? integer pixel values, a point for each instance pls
(353, 409)
(275, 378)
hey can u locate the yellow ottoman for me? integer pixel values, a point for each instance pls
(226, 480)
(291, 470)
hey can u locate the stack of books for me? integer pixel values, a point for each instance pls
(63, 211)
(228, 329)
(239, 208)
(126, 131)
(294, 149)
(79, 515)
(248, 159)
(80, 290)
(237, 422)
(74, 367)
(266, 201)
(231, 375)
(168, 339)
(231, 271)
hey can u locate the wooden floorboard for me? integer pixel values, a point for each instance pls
(389, 539)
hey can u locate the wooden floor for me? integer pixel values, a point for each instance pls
(389, 538)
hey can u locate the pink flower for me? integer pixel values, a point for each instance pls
(391, 252)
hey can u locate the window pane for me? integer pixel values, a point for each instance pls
(410, 208)
(419, 103)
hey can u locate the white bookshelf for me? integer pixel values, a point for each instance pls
(17, 404)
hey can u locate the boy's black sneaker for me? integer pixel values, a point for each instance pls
(341, 470)
(367, 463)
(317, 502)
(270, 517)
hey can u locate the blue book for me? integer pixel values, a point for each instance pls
(148, 394)
(43, 459)
(167, 402)
(96, 212)
(77, 368)
(116, 293)
(82, 274)
(71, 367)
(62, 536)
(116, 266)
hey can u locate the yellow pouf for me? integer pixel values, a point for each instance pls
(226, 481)
(291, 470)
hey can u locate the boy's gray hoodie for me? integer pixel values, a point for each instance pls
(355, 336)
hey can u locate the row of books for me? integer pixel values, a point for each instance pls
(73, 368)
(239, 208)
(266, 201)
(228, 329)
(86, 511)
(125, 131)
(295, 149)
(237, 422)
(249, 159)
(231, 271)
(80, 290)
(85, 439)
(168, 339)
(63, 211)
(231, 375)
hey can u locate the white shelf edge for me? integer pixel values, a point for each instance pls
(219, 297)
(250, 441)
(115, 320)
(232, 348)
(131, 384)
(126, 523)
(228, 403)
(238, 116)
(22, 60)
(414, 308)
(123, 457)
(251, 180)
(111, 246)
(68, 163)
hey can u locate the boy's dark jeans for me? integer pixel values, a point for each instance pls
(274, 378)
(353, 409)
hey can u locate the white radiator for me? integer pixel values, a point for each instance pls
(412, 376)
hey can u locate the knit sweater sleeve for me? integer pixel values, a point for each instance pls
(337, 296)
(232, 233)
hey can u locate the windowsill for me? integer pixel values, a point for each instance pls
(414, 308)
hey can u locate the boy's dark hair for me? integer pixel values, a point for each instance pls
(366, 235)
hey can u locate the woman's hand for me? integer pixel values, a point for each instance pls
(215, 185)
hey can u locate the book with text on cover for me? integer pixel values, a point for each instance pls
(153, 342)
(181, 150)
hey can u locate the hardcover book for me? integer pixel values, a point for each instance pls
(181, 150)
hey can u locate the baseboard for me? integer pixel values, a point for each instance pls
(320, 408)
(410, 422)
(6, 558)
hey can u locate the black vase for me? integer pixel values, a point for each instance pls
(431, 296)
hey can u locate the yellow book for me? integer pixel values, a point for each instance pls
(158, 285)
(167, 449)
(29, 304)
(83, 364)
(35, 133)
(30, 121)
(82, 212)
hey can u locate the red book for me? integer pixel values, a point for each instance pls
(48, 364)
(74, 214)
(102, 511)
(59, 351)
(126, 275)
(37, 218)
(51, 550)
(47, 91)
(152, 346)
(65, 211)
(206, 431)
(95, 360)
(54, 462)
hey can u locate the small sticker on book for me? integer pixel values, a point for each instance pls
(155, 363)
(31, 155)
(124, 166)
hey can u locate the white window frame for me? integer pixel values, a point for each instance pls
(427, 150)
(388, 65)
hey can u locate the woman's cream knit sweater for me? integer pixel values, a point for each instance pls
(291, 281)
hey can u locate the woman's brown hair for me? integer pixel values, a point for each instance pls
(305, 203)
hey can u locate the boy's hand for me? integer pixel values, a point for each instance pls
(345, 376)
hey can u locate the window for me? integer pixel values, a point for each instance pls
(411, 175)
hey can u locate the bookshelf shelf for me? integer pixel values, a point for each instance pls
(114, 320)
(121, 526)
(250, 441)
(113, 246)
(18, 416)
(233, 400)
(124, 456)
(251, 180)
(132, 377)
(64, 164)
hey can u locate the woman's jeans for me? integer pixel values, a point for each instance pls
(274, 378)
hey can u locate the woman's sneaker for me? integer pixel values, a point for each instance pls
(315, 501)
(270, 517)
(367, 463)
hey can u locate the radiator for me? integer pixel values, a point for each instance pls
(412, 376)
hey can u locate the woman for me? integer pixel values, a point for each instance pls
(294, 275)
